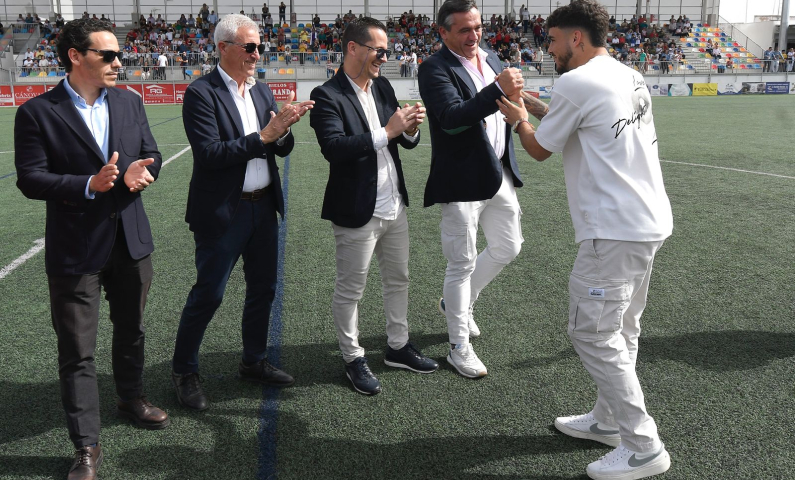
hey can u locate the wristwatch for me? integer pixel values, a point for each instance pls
(517, 123)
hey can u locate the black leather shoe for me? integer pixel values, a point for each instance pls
(143, 413)
(87, 462)
(265, 373)
(189, 391)
(361, 377)
(410, 358)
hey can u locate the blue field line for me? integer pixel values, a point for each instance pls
(269, 408)
(8, 175)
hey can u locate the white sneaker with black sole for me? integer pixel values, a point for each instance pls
(474, 331)
(624, 464)
(585, 426)
(464, 360)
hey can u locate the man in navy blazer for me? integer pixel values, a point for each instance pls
(473, 169)
(359, 125)
(235, 130)
(71, 146)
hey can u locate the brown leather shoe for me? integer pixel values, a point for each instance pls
(143, 413)
(87, 462)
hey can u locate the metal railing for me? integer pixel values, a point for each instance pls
(738, 36)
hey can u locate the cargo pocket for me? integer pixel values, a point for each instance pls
(456, 242)
(596, 307)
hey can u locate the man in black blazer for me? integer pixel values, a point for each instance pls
(235, 130)
(72, 144)
(473, 169)
(359, 125)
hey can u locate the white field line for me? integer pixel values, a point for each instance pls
(37, 247)
(39, 244)
(730, 169)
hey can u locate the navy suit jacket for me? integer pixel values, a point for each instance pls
(221, 150)
(464, 167)
(346, 142)
(55, 154)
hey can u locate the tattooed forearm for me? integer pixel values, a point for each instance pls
(534, 106)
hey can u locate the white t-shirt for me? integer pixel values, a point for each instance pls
(600, 117)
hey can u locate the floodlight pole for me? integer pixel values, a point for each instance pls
(782, 33)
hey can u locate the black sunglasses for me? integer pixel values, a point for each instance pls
(250, 47)
(379, 52)
(107, 55)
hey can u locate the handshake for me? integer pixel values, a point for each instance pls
(511, 82)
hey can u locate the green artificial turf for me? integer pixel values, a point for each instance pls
(716, 353)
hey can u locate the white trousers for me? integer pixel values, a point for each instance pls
(467, 272)
(608, 287)
(389, 240)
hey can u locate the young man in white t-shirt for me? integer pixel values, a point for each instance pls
(600, 117)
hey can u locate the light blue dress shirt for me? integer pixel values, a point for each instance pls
(97, 120)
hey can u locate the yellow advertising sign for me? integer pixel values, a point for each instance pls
(705, 89)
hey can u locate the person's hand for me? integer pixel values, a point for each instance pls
(512, 112)
(288, 115)
(400, 121)
(137, 176)
(103, 181)
(418, 118)
(511, 82)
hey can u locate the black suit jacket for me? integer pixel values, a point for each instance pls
(221, 151)
(464, 167)
(55, 154)
(346, 142)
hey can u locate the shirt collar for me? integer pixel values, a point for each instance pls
(481, 54)
(359, 89)
(78, 100)
(231, 83)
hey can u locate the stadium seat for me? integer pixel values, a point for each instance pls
(51, 74)
(689, 44)
(300, 25)
(735, 49)
(699, 25)
(282, 71)
(42, 74)
(273, 58)
(286, 31)
(61, 73)
(23, 74)
(743, 66)
(702, 51)
(290, 71)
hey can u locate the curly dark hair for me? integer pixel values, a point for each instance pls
(587, 15)
(358, 31)
(77, 34)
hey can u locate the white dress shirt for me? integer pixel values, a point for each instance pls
(495, 123)
(257, 174)
(388, 201)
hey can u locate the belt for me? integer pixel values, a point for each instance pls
(256, 194)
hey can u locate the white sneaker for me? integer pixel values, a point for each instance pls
(474, 331)
(586, 426)
(624, 464)
(463, 358)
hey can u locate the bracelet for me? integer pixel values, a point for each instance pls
(519, 122)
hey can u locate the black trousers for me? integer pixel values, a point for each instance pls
(74, 306)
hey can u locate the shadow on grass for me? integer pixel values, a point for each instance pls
(723, 351)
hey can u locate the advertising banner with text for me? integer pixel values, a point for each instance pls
(136, 89)
(179, 92)
(23, 93)
(281, 90)
(6, 96)
(158, 93)
(776, 88)
(705, 89)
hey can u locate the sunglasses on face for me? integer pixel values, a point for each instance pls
(379, 52)
(250, 47)
(107, 55)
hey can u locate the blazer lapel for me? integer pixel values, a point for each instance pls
(65, 109)
(226, 99)
(350, 94)
(494, 63)
(459, 69)
(116, 122)
(259, 105)
(383, 118)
